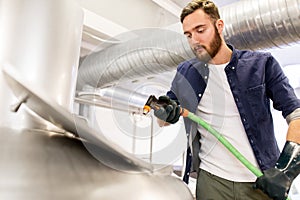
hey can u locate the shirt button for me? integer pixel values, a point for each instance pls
(233, 68)
(205, 77)
(244, 119)
(205, 65)
(259, 161)
(199, 95)
(251, 141)
(236, 99)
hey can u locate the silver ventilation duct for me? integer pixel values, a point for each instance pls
(262, 24)
(151, 51)
(249, 24)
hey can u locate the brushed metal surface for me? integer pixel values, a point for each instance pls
(38, 164)
(42, 41)
(97, 144)
(78, 164)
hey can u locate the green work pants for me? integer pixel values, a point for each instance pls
(211, 187)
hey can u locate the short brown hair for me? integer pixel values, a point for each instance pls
(207, 6)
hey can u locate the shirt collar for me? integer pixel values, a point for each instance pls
(234, 56)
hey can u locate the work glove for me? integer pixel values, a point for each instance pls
(168, 111)
(276, 182)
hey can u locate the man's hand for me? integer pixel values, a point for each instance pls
(169, 111)
(274, 183)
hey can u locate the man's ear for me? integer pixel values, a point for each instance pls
(220, 25)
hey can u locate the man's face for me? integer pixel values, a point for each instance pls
(202, 35)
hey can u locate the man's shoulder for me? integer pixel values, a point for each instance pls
(249, 54)
(255, 59)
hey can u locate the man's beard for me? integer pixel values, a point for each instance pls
(208, 54)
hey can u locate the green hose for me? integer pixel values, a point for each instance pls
(227, 144)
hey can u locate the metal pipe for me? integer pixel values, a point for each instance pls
(151, 139)
(134, 134)
(115, 98)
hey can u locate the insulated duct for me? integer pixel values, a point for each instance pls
(249, 24)
(147, 52)
(262, 24)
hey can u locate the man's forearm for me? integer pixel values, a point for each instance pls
(293, 134)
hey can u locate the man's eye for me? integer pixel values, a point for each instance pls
(188, 36)
(200, 30)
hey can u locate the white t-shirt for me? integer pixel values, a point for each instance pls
(217, 108)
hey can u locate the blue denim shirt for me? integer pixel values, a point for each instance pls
(255, 78)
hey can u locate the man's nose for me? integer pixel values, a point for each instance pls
(194, 40)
